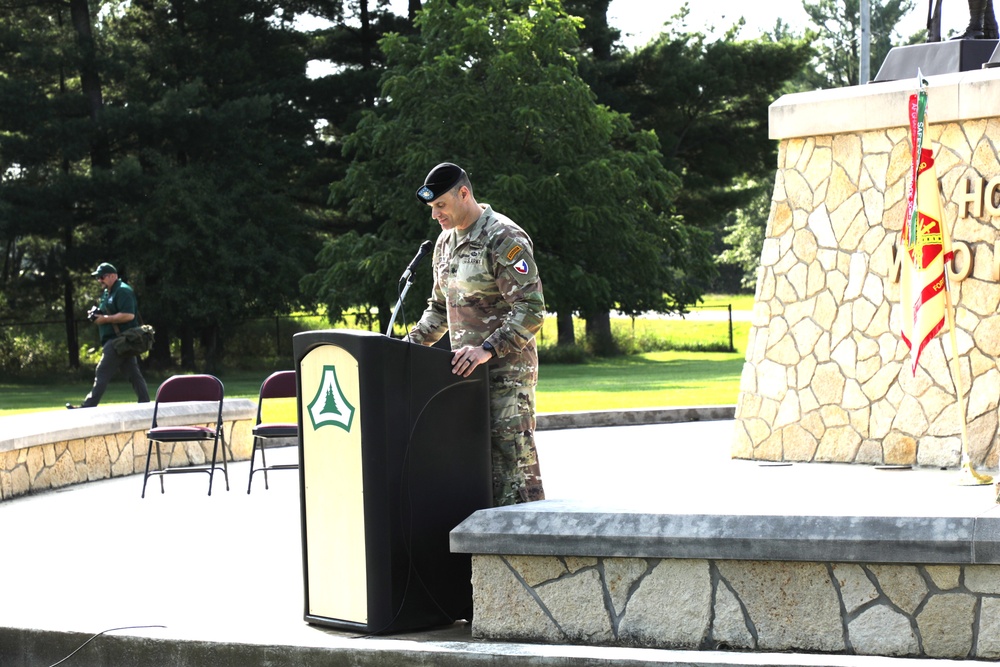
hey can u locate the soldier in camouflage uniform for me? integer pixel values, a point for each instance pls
(487, 295)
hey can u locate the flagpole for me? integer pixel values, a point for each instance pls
(970, 477)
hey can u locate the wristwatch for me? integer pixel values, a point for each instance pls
(488, 346)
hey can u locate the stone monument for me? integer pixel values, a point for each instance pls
(827, 375)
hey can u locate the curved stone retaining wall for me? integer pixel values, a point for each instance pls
(827, 375)
(48, 450)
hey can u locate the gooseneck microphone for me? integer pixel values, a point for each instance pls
(425, 248)
(406, 280)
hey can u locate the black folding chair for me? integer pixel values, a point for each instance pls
(178, 389)
(272, 435)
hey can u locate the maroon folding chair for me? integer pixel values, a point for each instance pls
(178, 389)
(272, 435)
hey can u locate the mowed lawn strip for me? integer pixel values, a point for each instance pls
(649, 380)
(681, 377)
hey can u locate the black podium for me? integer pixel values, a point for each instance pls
(394, 452)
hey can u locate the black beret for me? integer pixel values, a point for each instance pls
(440, 180)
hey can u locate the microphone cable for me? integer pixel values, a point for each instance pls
(80, 647)
(402, 307)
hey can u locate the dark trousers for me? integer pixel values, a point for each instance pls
(109, 364)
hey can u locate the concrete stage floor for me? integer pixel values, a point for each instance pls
(218, 580)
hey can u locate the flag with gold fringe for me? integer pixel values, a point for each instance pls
(925, 243)
(926, 246)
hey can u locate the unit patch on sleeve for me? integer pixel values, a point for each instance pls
(514, 253)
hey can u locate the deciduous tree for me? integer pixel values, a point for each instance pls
(493, 86)
(837, 37)
(708, 101)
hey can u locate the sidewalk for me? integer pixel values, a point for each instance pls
(221, 576)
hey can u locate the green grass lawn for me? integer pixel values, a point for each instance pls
(39, 395)
(650, 379)
(737, 301)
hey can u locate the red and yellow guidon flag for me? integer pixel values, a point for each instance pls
(924, 241)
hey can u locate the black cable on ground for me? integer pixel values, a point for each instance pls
(78, 648)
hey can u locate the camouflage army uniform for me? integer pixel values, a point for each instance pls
(486, 287)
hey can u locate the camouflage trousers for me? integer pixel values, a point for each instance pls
(517, 477)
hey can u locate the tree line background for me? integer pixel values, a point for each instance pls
(192, 144)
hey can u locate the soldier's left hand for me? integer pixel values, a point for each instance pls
(464, 360)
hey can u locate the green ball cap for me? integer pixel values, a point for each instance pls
(104, 269)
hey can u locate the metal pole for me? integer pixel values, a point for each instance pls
(729, 307)
(864, 71)
(399, 304)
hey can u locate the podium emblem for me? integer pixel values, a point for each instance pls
(330, 407)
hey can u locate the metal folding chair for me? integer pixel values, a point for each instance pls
(186, 388)
(273, 434)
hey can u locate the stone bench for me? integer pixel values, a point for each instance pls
(572, 572)
(48, 450)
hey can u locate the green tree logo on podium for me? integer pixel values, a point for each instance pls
(330, 407)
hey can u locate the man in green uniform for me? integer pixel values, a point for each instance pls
(118, 312)
(488, 297)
